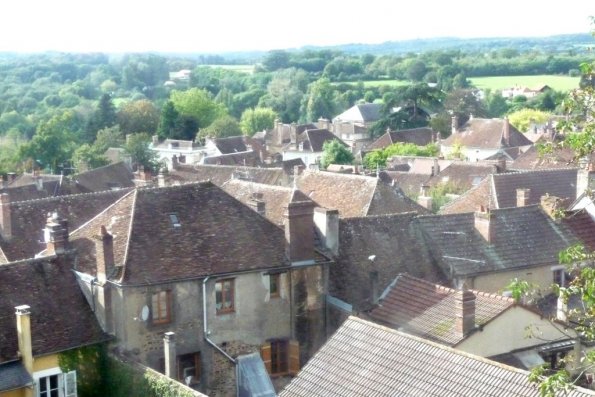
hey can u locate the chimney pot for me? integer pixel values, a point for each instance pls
(56, 234)
(23, 315)
(169, 349)
(454, 124)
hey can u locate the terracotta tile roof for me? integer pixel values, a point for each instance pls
(231, 144)
(463, 175)
(61, 318)
(499, 190)
(521, 237)
(486, 134)
(582, 225)
(366, 359)
(560, 183)
(428, 310)
(397, 247)
(532, 160)
(28, 219)
(219, 174)
(418, 136)
(217, 234)
(355, 195)
(275, 198)
(409, 182)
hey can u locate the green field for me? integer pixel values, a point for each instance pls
(377, 83)
(237, 68)
(558, 83)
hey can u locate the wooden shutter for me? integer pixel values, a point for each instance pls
(294, 357)
(70, 384)
(265, 354)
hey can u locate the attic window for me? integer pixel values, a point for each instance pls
(174, 220)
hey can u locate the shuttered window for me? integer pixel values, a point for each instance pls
(281, 357)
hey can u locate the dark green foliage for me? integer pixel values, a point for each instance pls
(169, 121)
(103, 117)
(335, 152)
(225, 126)
(379, 157)
(137, 146)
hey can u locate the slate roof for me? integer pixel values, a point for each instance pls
(217, 234)
(219, 174)
(582, 225)
(499, 190)
(61, 318)
(112, 176)
(249, 158)
(397, 247)
(366, 359)
(28, 219)
(522, 237)
(363, 112)
(531, 159)
(30, 179)
(418, 136)
(409, 182)
(33, 191)
(429, 310)
(13, 375)
(231, 144)
(486, 134)
(274, 197)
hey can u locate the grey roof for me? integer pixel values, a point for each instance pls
(368, 112)
(366, 359)
(13, 375)
(253, 379)
(486, 134)
(521, 237)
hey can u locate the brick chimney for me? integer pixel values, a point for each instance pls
(454, 124)
(5, 217)
(56, 234)
(169, 351)
(464, 311)
(506, 132)
(522, 197)
(257, 203)
(326, 222)
(483, 223)
(299, 228)
(24, 336)
(104, 254)
(424, 199)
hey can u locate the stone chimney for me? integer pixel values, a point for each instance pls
(506, 132)
(5, 217)
(257, 203)
(561, 310)
(501, 165)
(56, 234)
(483, 223)
(464, 311)
(435, 167)
(454, 124)
(169, 351)
(298, 169)
(155, 140)
(39, 183)
(293, 134)
(104, 253)
(585, 178)
(161, 179)
(174, 162)
(326, 223)
(24, 336)
(299, 228)
(11, 177)
(522, 197)
(424, 199)
(323, 124)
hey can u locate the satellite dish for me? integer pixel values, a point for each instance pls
(144, 313)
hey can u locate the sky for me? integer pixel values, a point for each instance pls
(219, 26)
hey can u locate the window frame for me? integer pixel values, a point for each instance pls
(225, 296)
(197, 369)
(156, 307)
(279, 357)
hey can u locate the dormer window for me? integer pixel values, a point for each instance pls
(175, 222)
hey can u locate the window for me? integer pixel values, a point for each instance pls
(189, 368)
(224, 296)
(561, 277)
(281, 357)
(275, 285)
(54, 383)
(174, 220)
(161, 307)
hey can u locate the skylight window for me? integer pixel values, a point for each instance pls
(174, 220)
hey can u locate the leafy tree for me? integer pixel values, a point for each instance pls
(138, 116)
(169, 121)
(496, 105)
(319, 101)
(87, 157)
(257, 119)
(53, 143)
(137, 147)
(285, 92)
(197, 104)
(416, 71)
(225, 126)
(523, 119)
(379, 157)
(276, 59)
(334, 152)
(107, 138)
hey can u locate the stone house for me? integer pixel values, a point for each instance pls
(221, 280)
(308, 146)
